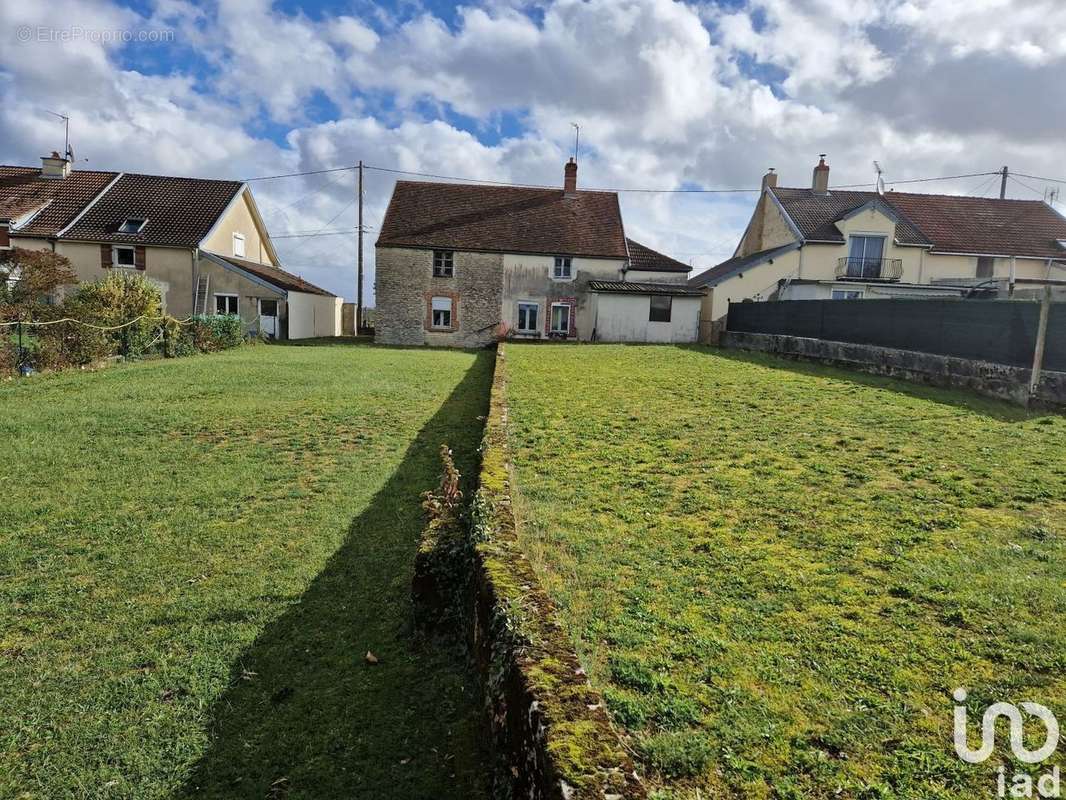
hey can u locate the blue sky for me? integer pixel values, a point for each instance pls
(668, 95)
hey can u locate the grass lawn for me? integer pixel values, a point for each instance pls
(778, 573)
(196, 556)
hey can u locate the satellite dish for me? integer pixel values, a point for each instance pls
(70, 153)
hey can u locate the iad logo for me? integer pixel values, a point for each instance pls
(1021, 785)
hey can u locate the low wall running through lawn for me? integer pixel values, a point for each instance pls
(983, 377)
(550, 733)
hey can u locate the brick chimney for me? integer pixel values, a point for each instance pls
(570, 178)
(820, 182)
(54, 166)
(769, 179)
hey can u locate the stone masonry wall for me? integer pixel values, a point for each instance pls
(405, 283)
(983, 377)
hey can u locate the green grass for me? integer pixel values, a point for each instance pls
(196, 556)
(778, 573)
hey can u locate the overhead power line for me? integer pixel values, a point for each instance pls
(346, 232)
(296, 174)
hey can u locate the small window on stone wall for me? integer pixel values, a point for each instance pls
(986, 266)
(442, 312)
(443, 263)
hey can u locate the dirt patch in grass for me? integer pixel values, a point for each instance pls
(778, 573)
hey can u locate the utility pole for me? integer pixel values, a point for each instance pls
(359, 258)
(1041, 341)
(1003, 184)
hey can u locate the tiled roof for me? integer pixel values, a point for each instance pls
(22, 189)
(643, 258)
(815, 214)
(738, 264)
(273, 275)
(946, 223)
(628, 287)
(180, 211)
(984, 226)
(507, 219)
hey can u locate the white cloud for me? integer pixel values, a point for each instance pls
(664, 92)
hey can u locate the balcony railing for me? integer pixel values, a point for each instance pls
(870, 269)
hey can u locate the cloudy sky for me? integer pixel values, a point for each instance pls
(668, 96)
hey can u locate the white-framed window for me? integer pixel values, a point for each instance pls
(660, 308)
(528, 317)
(864, 256)
(122, 256)
(847, 294)
(443, 263)
(238, 245)
(560, 319)
(225, 303)
(441, 312)
(132, 225)
(563, 269)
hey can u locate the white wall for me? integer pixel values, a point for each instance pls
(624, 318)
(314, 315)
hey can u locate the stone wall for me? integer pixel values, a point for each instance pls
(983, 377)
(551, 738)
(404, 284)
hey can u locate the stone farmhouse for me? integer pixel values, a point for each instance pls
(460, 265)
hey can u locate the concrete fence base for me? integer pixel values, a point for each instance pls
(982, 377)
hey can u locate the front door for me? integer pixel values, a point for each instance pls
(268, 318)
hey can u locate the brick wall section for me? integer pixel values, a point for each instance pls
(405, 283)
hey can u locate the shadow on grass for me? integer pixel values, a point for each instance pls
(959, 398)
(306, 716)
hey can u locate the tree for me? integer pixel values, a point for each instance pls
(28, 278)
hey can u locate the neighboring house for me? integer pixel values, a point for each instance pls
(458, 263)
(202, 242)
(822, 243)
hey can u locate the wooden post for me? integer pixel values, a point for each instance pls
(1041, 340)
(359, 259)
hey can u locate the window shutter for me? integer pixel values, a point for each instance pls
(5, 238)
(105, 256)
(138, 257)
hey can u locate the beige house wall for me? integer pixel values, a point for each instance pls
(227, 282)
(757, 283)
(528, 278)
(239, 219)
(768, 228)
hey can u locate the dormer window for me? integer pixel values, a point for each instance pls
(562, 270)
(132, 225)
(238, 245)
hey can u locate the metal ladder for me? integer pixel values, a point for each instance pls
(203, 283)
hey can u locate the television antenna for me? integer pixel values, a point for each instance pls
(577, 137)
(880, 182)
(67, 151)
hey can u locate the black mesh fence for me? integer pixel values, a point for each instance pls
(1002, 331)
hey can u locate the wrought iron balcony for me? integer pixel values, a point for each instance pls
(870, 269)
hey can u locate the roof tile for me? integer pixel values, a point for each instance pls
(22, 189)
(644, 259)
(503, 219)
